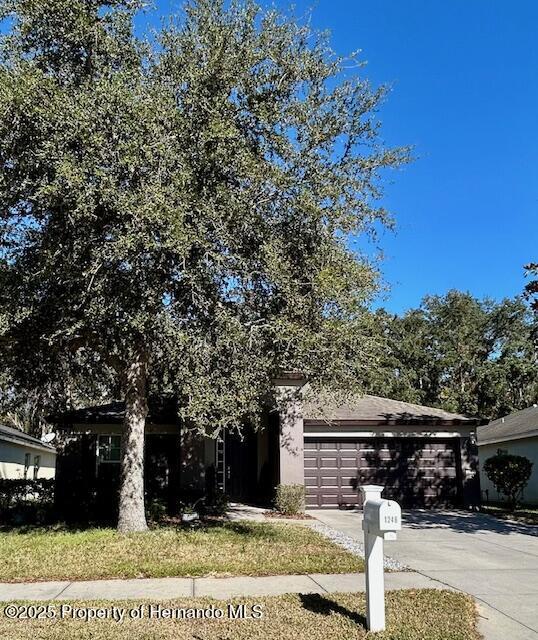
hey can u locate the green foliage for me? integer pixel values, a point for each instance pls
(184, 201)
(215, 504)
(289, 499)
(509, 475)
(466, 355)
(156, 510)
(26, 501)
(531, 288)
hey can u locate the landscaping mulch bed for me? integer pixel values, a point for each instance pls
(411, 615)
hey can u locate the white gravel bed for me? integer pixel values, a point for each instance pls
(354, 547)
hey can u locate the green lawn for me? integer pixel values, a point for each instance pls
(411, 615)
(229, 549)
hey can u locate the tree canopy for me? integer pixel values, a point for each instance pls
(175, 212)
(466, 355)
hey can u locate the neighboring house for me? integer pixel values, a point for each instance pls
(424, 457)
(516, 434)
(22, 456)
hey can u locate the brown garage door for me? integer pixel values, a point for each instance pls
(417, 472)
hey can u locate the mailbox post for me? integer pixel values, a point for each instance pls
(381, 520)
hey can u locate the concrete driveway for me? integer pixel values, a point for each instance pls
(493, 560)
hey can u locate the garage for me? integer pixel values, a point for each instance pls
(417, 472)
(425, 457)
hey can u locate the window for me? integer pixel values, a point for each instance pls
(27, 460)
(502, 452)
(109, 449)
(37, 464)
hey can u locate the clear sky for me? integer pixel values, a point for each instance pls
(465, 93)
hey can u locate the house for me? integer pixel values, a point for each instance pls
(425, 457)
(516, 434)
(25, 457)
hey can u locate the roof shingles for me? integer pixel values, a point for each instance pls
(376, 409)
(521, 424)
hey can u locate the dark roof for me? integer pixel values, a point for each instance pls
(14, 435)
(369, 408)
(161, 411)
(521, 424)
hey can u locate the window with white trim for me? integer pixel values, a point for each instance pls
(109, 449)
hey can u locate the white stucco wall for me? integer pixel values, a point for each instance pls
(527, 447)
(12, 458)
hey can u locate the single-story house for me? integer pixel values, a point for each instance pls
(425, 457)
(516, 434)
(24, 457)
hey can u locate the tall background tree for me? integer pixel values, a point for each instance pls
(460, 353)
(531, 288)
(174, 214)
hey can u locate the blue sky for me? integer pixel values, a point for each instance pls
(465, 94)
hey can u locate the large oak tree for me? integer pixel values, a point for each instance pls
(176, 212)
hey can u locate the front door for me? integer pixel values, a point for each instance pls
(240, 466)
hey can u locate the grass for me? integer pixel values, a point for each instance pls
(224, 549)
(411, 615)
(526, 515)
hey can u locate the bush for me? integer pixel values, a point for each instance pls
(289, 499)
(156, 510)
(26, 501)
(509, 474)
(215, 504)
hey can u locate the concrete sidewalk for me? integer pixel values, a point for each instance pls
(222, 588)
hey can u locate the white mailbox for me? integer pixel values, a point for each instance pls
(381, 520)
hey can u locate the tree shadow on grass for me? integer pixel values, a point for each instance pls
(320, 604)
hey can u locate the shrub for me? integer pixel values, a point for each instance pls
(156, 510)
(26, 501)
(509, 474)
(289, 499)
(215, 504)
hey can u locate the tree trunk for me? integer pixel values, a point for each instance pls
(132, 516)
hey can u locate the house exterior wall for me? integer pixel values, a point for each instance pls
(527, 447)
(12, 461)
(195, 458)
(291, 438)
(196, 452)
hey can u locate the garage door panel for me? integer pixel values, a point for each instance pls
(415, 472)
(328, 462)
(333, 446)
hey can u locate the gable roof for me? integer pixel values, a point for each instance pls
(521, 424)
(370, 408)
(9, 434)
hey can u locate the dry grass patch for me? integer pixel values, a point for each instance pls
(411, 615)
(229, 549)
